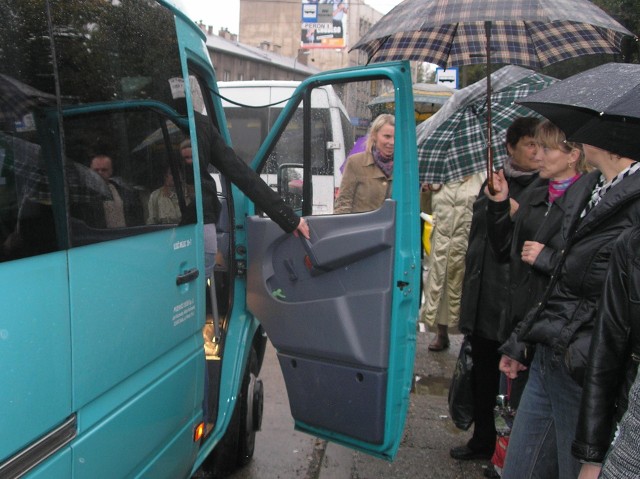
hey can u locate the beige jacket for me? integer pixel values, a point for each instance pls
(364, 186)
(452, 212)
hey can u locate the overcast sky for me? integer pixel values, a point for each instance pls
(211, 12)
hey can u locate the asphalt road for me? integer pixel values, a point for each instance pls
(282, 453)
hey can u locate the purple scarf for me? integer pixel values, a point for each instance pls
(385, 164)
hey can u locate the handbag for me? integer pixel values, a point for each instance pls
(461, 403)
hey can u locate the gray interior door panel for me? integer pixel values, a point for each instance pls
(326, 307)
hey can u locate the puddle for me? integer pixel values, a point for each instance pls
(431, 385)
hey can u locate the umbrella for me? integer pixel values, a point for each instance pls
(529, 33)
(600, 107)
(24, 159)
(17, 98)
(451, 144)
(427, 99)
(158, 136)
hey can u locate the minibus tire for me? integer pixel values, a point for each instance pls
(251, 406)
(223, 460)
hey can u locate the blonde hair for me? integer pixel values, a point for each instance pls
(376, 125)
(549, 135)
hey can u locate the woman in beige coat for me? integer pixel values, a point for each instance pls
(452, 207)
(368, 175)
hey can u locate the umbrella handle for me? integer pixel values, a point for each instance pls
(487, 30)
(490, 186)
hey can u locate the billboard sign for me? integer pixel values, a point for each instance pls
(324, 24)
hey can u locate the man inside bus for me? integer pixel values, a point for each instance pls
(124, 207)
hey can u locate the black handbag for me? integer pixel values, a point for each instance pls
(461, 402)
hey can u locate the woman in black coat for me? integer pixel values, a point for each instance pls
(530, 240)
(613, 360)
(600, 206)
(484, 292)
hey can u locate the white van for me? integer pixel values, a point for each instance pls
(251, 108)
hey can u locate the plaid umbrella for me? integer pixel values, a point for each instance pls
(530, 33)
(452, 143)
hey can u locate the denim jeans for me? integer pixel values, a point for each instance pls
(545, 423)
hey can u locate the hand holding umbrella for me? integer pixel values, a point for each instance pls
(500, 187)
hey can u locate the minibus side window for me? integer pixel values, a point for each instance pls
(133, 176)
(123, 124)
(32, 219)
(113, 165)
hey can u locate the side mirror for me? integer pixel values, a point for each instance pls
(290, 183)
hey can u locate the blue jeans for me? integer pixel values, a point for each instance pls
(545, 423)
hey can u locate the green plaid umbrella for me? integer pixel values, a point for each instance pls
(530, 33)
(452, 143)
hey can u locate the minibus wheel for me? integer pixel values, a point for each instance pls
(251, 406)
(236, 447)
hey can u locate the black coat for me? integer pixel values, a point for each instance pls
(484, 288)
(563, 320)
(535, 220)
(614, 353)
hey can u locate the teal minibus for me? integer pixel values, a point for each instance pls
(117, 357)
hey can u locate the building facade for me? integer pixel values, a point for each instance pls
(281, 25)
(237, 61)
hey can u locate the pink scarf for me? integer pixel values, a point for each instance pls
(557, 188)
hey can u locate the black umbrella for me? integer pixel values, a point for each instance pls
(599, 107)
(529, 33)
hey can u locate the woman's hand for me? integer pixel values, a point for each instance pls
(590, 471)
(303, 229)
(530, 251)
(500, 187)
(511, 367)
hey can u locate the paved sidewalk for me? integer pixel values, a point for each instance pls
(429, 432)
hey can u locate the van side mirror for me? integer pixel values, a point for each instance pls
(290, 183)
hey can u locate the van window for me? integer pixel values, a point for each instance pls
(252, 112)
(337, 132)
(290, 144)
(116, 105)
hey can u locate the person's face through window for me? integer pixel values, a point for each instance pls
(187, 155)
(384, 140)
(103, 166)
(524, 154)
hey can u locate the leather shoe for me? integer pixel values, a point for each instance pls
(464, 453)
(440, 343)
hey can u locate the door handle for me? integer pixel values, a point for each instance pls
(187, 276)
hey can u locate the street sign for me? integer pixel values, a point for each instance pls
(448, 77)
